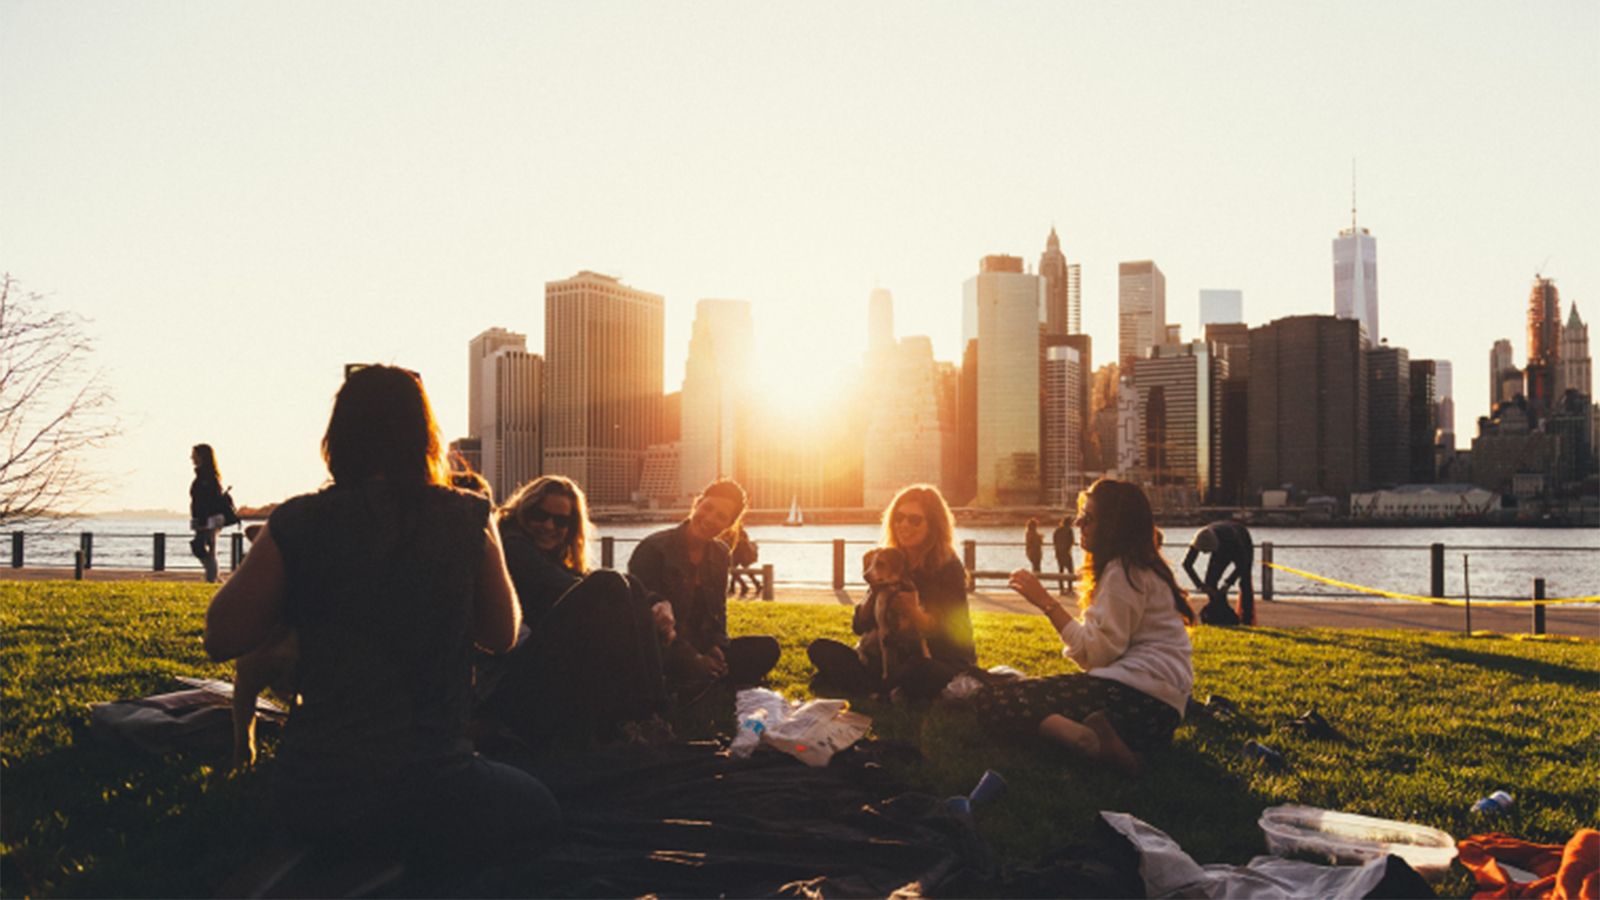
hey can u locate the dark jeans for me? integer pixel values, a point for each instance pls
(840, 668)
(592, 663)
(204, 546)
(749, 659)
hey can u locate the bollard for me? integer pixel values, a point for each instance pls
(158, 553)
(235, 550)
(87, 542)
(838, 564)
(1436, 570)
(77, 564)
(1538, 608)
(766, 581)
(969, 561)
(608, 552)
(1266, 570)
(16, 549)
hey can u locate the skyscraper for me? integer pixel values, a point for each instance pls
(479, 349)
(880, 319)
(1389, 415)
(1355, 276)
(1061, 289)
(716, 381)
(1141, 311)
(1004, 305)
(1444, 414)
(1064, 395)
(1180, 412)
(1074, 298)
(1505, 381)
(1424, 426)
(904, 439)
(603, 382)
(1576, 366)
(1308, 405)
(512, 449)
(1544, 344)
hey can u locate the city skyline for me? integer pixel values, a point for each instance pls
(242, 200)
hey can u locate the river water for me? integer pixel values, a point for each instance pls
(1495, 563)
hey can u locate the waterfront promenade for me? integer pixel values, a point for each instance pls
(1572, 621)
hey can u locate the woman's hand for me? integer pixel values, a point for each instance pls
(1032, 590)
(713, 664)
(666, 625)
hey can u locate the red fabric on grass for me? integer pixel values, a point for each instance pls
(1570, 872)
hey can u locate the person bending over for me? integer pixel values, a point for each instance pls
(1229, 545)
(590, 661)
(1131, 639)
(389, 576)
(688, 566)
(919, 523)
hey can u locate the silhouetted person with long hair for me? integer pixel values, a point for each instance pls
(1033, 545)
(591, 659)
(1130, 637)
(1063, 541)
(389, 576)
(919, 523)
(688, 566)
(1230, 547)
(206, 507)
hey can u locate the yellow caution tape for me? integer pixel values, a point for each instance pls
(1436, 601)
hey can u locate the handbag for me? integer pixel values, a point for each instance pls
(230, 512)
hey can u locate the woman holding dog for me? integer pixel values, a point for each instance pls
(1130, 637)
(591, 661)
(389, 577)
(688, 566)
(920, 524)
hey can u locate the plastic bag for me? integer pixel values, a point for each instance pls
(813, 733)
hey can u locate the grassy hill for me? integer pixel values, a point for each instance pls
(1435, 721)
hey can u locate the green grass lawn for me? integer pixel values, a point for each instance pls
(1436, 721)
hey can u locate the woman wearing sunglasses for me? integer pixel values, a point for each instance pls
(918, 521)
(688, 566)
(1129, 635)
(589, 661)
(389, 576)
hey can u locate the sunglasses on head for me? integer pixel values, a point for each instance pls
(912, 519)
(562, 520)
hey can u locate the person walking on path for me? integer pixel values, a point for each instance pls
(1062, 538)
(918, 522)
(1033, 543)
(1230, 545)
(1130, 637)
(688, 566)
(590, 661)
(389, 577)
(742, 554)
(207, 509)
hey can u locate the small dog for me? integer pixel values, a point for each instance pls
(896, 637)
(271, 665)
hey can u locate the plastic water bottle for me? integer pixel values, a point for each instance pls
(1495, 804)
(1255, 750)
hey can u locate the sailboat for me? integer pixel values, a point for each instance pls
(796, 518)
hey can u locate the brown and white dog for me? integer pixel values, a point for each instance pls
(269, 666)
(898, 620)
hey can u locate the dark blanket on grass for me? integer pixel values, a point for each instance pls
(683, 820)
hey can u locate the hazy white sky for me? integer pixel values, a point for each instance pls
(244, 197)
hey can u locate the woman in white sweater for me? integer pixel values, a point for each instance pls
(1130, 637)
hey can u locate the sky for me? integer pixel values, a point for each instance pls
(240, 198)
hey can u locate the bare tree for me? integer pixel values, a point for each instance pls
(52, 408)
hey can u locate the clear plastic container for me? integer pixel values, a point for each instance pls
(1348, 838)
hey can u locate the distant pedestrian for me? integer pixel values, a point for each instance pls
(1034, 543)
(742, 554)
(207, 509)
(1062, 538)
(1229, 544)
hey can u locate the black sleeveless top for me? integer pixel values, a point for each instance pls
(380, 588)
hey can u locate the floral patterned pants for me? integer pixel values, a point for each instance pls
(1143, 722)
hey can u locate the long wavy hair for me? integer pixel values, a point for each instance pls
(382, 426)
(575, 551)
(207, 463)
(941, 525)
(1125, 529)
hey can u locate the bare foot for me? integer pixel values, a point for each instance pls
(1112, 749)
(1074, 736)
